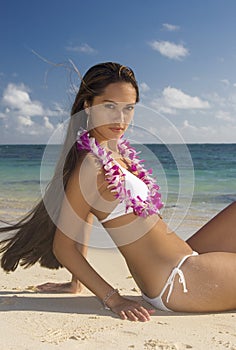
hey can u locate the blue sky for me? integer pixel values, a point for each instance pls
(183, 53)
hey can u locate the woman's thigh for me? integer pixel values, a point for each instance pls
(211, 283)
(218, 235)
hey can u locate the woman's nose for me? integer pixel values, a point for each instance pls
(119, 117)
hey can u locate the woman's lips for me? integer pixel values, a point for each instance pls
(117, 129)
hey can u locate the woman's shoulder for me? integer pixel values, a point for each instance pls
(89, 161)
(86, 180)
(90, 167)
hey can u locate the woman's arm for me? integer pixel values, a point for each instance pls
(67, 253)
(75, 211)
(83, 245)
(75, 284)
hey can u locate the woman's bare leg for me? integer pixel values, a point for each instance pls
(218, 235)
(211, 284)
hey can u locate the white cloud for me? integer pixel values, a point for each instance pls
(48, 124)
(225, 116)
(85, 48)
(25, 119)
(173, 99)
(186, 124)
(207, 133)
(225, 82)
(188, 132)
(197, 119)
(169, 49)
(170, 27)
(232, 100)
(217, 100)
(176, 98)
(24, 125)
(16, 97)
(144, 87)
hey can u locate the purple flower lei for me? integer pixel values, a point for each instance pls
(116, 179)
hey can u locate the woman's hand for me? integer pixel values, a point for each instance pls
(130, 310)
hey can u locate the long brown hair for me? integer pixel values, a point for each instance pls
(34, 235)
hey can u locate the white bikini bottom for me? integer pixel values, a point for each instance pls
(157, 302)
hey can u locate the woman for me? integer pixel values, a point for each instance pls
(101, 177)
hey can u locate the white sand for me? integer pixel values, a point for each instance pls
(32, 320)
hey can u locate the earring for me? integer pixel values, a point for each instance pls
(87, 124)
(87, 113)
(132, 124)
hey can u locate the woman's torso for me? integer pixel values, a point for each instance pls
(149, 248)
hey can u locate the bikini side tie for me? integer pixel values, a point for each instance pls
(177, 271)
(171, 279)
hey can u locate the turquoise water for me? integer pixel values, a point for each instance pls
(196, 180)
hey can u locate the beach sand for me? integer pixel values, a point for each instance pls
(31, 320)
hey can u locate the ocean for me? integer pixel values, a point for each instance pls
(196, 180)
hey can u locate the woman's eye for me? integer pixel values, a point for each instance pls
(130, 108)
(109, 106)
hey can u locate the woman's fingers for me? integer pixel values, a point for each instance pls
(133, 311)
(146, 312)
(136, 314)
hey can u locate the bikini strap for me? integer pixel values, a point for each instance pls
(177, 271)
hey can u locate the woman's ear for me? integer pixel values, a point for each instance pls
(86, 108)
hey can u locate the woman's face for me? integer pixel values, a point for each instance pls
(111, 113)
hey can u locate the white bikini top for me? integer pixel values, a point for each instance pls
(137, 188)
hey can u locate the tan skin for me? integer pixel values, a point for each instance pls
(74, 286)
(210, 276)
